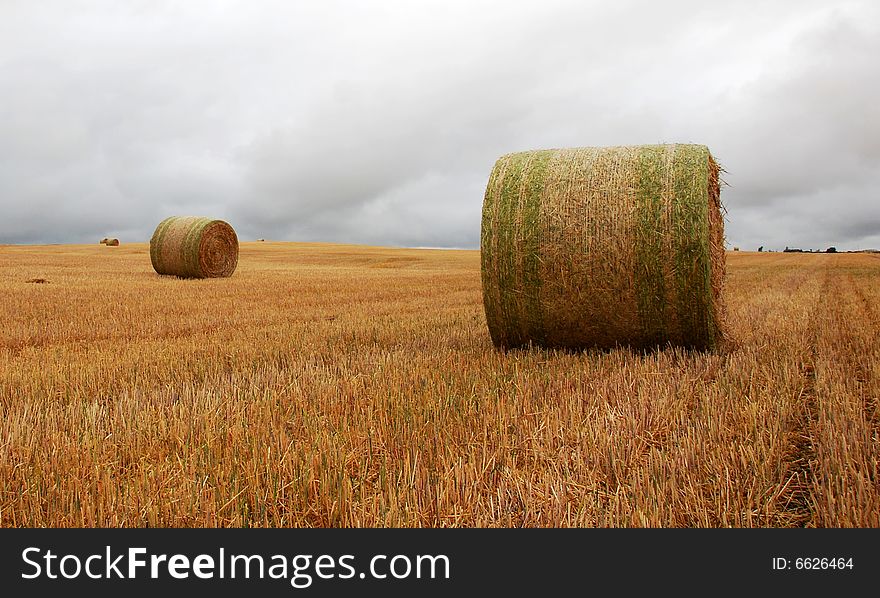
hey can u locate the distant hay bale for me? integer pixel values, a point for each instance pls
(103, 241)
(112, 242)
(194, 247)
(600, 247)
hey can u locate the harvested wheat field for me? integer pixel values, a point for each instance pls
(328, 385)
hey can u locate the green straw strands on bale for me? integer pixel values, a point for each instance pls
(194, 247)
(600, 247)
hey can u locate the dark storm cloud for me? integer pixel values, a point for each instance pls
(379, 122)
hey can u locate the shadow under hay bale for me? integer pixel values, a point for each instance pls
(602, 247)
(194, 247)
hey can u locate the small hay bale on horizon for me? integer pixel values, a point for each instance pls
(194, 247)
(604, 247)
(103, 241)
(112, 242)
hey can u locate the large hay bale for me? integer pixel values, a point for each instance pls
(600, 247)
(194, 247)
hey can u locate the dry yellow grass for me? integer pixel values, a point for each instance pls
(349, 386)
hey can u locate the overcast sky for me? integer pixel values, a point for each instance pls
(378, 122)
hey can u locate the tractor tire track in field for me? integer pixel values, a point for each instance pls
(797, 499)
(861, 373)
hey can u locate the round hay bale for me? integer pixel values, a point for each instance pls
(602, 247)
(112, 242)
(194, 247)
(103, 241)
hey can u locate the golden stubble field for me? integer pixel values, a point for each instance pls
(329, 385)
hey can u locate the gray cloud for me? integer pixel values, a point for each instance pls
(379, 122)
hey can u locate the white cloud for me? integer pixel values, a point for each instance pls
(379, 122)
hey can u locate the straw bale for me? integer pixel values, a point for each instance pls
(194, 247)
(602, 247)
